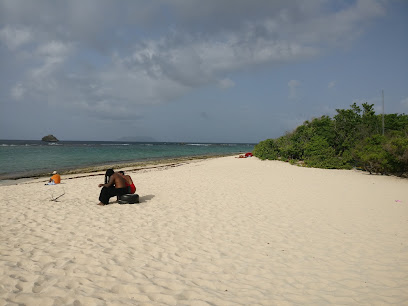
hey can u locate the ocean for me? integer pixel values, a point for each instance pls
(30, 158)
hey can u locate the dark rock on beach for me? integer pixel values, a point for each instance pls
(50, 138)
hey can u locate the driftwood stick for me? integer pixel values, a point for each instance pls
(55, 200)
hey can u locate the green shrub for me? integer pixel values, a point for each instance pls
(351, 138)
(319, 154)
(266, 150)
(371, 155)
(397, 148)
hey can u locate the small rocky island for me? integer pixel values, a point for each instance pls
(50, 138)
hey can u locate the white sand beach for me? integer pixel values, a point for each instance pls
(222, 231)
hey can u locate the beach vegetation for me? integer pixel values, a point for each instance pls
(353, 138)
(267, 149)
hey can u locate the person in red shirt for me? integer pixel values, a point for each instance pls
(129, 182)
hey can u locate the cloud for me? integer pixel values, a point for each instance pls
(17, 92)
(331, 84)
(51, 54)
(14, 36)
(293, 85)
(78, 59)
(226, 83)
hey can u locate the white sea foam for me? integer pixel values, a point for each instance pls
(115, 144)
(199, 144)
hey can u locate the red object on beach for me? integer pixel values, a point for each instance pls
(249, 154)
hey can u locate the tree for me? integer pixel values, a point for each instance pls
(397, 148)
(396, 122)
(346, 127)
(318, 153)
(352, 137)
(266, 149)
(370, 123)
(371, 155)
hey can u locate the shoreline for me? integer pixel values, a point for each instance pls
(126, 166)
(28, 159)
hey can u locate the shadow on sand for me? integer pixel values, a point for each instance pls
(145, 198)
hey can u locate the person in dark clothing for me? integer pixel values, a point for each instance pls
(115, 185)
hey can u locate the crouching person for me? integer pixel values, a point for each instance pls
(115, 185)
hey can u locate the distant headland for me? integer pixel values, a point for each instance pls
(49, 138)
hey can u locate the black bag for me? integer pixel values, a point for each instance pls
(129, 199)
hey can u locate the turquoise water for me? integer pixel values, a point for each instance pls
(20, 158)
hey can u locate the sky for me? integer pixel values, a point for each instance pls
(195, 71)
